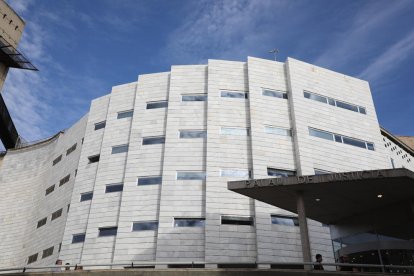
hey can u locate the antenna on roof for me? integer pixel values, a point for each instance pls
(275, 52)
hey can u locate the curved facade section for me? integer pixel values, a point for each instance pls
(36, 187)
(157, 154)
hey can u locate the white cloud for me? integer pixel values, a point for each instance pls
(219, 29)
(20, 6)
(357, 39)
(389, 59)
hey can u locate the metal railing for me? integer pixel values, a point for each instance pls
(382, 269)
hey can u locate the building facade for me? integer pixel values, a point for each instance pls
(143, 176)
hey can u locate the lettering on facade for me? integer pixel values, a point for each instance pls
(334, 177)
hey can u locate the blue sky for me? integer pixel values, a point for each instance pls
(83, 48)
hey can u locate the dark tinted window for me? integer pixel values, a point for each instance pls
(32, 258)
(50, 189)
(78, 238)
(145, 225)
(64, 180)
(362, 110)
(237, 220)
(189, 222)
(160, 104)
(353, 142)
(191, 175)
(370, 146)
(193, 134)
(119, 149)
(57, 160)
(114, 188)
(125, 114)
(100, 125)
(347, 106)
(56, 214)
(194, 98)
(71, 149)
(47, 252)
(94, 158)
(108, 231)
(86, 196)
(149, 180)
(41, 222)
(153, 140)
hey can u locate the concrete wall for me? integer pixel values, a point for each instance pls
(24, 177)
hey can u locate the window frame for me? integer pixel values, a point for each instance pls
(154, 103)
(100, 125)
(118, 149)
(204, 97)
(114, 185)
(125, 114)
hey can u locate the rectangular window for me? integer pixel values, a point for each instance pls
(333, 102)
(194, 98)
(112, 188)
(235, 220)
(341, 139)
(278, 131)
(274, 93)
(284, 220)
(191, 175)
(240, 131)
(319, 172)
(153, 140)
(47, 252)
(56, 214)
(94, 158)
(280, 173)
(145, 226)
(100, 125)
(41, 222)
(370, 146)
(234, 94)
(125, 114)
(50, 189)
(78, 238)
(149, 180)
(188, 134)
(108, 231)
(119, 149)
(64, 180)
(235, 173)
(346, 106)
(362, 110)
(189, 222)
(86, 196)
(338, 138)
(314, 97)
(57, 160)
(353, 142)
(320, 134)
(159, 104)
(32, 258)
(71, 149)
(392, 163)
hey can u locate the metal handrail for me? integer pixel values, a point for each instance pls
(141, 264)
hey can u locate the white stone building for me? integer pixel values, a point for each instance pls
(143, 176)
